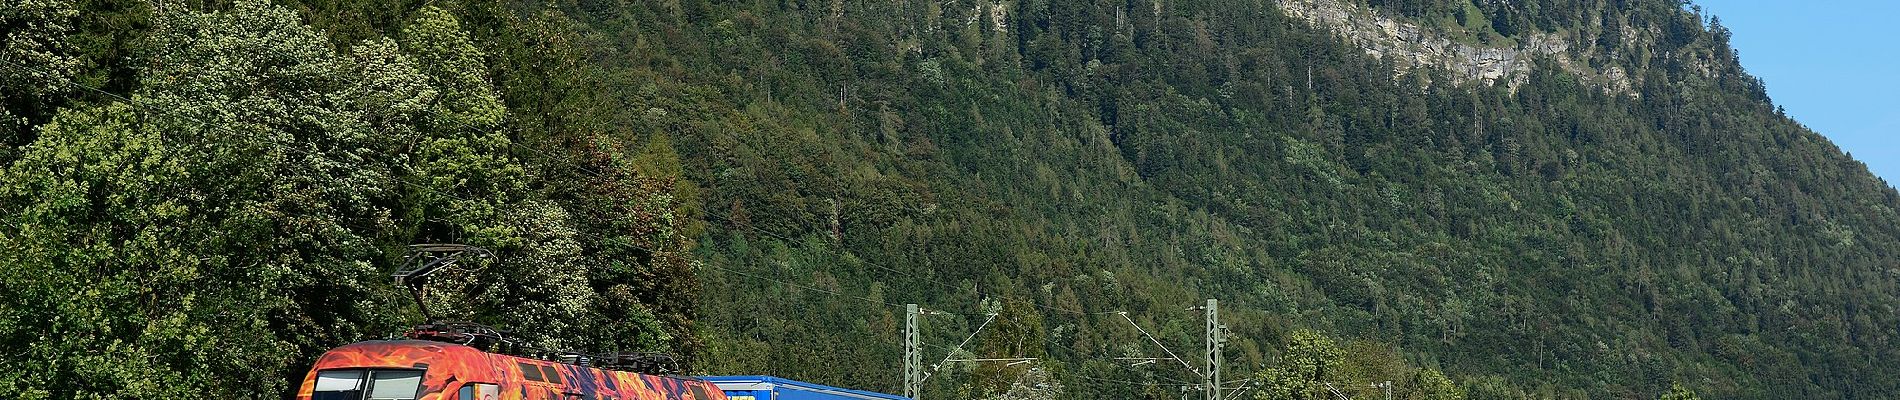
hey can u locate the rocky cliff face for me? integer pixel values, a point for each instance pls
(1409, 45)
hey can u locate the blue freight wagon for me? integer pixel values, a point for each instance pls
(755, 387)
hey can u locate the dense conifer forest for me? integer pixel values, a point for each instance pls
(199, 197)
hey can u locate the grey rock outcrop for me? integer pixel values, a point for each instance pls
(1410, 46)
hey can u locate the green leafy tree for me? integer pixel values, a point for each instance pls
(596, 283)
(1307, 363)
(211, 231)
(233, 218)
(1677, 392)
(463, 155)
(1433, 385)
(37, 64)
(1032, 384)
(95, 285)
(476, 192)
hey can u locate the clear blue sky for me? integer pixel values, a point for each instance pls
(1834, 64)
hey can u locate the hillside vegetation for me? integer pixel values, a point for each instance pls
(217, 196)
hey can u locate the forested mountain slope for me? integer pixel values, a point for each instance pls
(756, 184)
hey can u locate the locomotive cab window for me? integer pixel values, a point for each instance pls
(394, 385)
(367, 384)
(530, 371)
(339, 385)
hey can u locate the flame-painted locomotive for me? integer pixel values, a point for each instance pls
(443, 362)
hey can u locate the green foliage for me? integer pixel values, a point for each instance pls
(236, 217)
(1142, 156)
(1433, 385)
(1677, 392)
(37, 62)
(1309, 362)
(203, 250)
(1033, 157)
(1033, 384)
(469, 103)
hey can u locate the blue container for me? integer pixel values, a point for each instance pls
(755, 387)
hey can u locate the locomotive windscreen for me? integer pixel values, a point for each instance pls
(378, 384)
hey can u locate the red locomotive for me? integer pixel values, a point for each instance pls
(439, 369)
